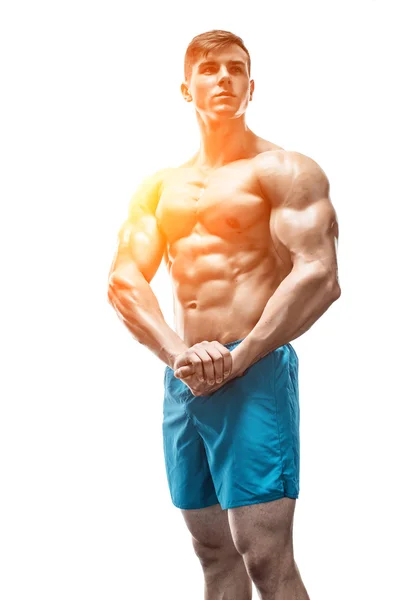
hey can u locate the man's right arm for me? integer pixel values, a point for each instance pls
(139, 254)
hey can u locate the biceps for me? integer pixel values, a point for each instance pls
(309, 234)
(142, 244)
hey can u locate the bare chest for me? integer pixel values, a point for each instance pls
(226, 203)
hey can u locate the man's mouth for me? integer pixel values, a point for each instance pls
(225, 94)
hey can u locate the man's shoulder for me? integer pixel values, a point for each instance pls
(263, 146)
(287, 163)
(285, 160)
(177, 173)
(147, 193)
(282, 170)
(152, 185)
(158, 177)
(167, 173)
(152, 180)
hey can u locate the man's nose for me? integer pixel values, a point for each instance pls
(223, 74)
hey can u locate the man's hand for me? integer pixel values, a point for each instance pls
(205, 367)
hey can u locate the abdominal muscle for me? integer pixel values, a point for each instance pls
(220, 296)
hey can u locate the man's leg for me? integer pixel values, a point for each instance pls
(191, 485)
(225, 574)
(263, 535)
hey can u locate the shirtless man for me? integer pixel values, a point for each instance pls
(249, 237)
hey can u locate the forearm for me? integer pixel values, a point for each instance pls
(138, 308)
(297, 303)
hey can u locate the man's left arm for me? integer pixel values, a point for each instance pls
(305, 223)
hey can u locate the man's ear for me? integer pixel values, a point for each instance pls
(251, 88)
(185, 92)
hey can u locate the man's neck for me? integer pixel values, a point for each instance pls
(223, 142)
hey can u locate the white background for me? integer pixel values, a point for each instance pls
(90, 105)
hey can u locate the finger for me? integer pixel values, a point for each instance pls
(184, 360)
(226, 359)
(207, 364)
(190, 359)
(185, 371)
(218, 360)
(197, 364)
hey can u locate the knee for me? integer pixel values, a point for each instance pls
(205, 554)
(258, 565)
(209, 554)
(267, 565)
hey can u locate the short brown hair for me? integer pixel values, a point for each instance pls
(202, 44)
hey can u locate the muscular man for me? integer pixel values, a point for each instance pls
(249, 236)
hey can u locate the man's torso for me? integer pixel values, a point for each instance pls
(221, 249)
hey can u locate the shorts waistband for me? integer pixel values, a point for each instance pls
(231, 344)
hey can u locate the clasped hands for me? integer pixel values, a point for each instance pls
(207, 366)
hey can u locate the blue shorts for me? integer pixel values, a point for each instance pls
(241, 444)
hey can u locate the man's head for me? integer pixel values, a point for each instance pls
(216, 62)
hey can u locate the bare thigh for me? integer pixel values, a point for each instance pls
(264, 529)
(211, 533)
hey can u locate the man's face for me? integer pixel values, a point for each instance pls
(223, 71)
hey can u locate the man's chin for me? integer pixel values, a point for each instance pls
(224, 112)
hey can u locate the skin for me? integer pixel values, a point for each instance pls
(249, 237)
